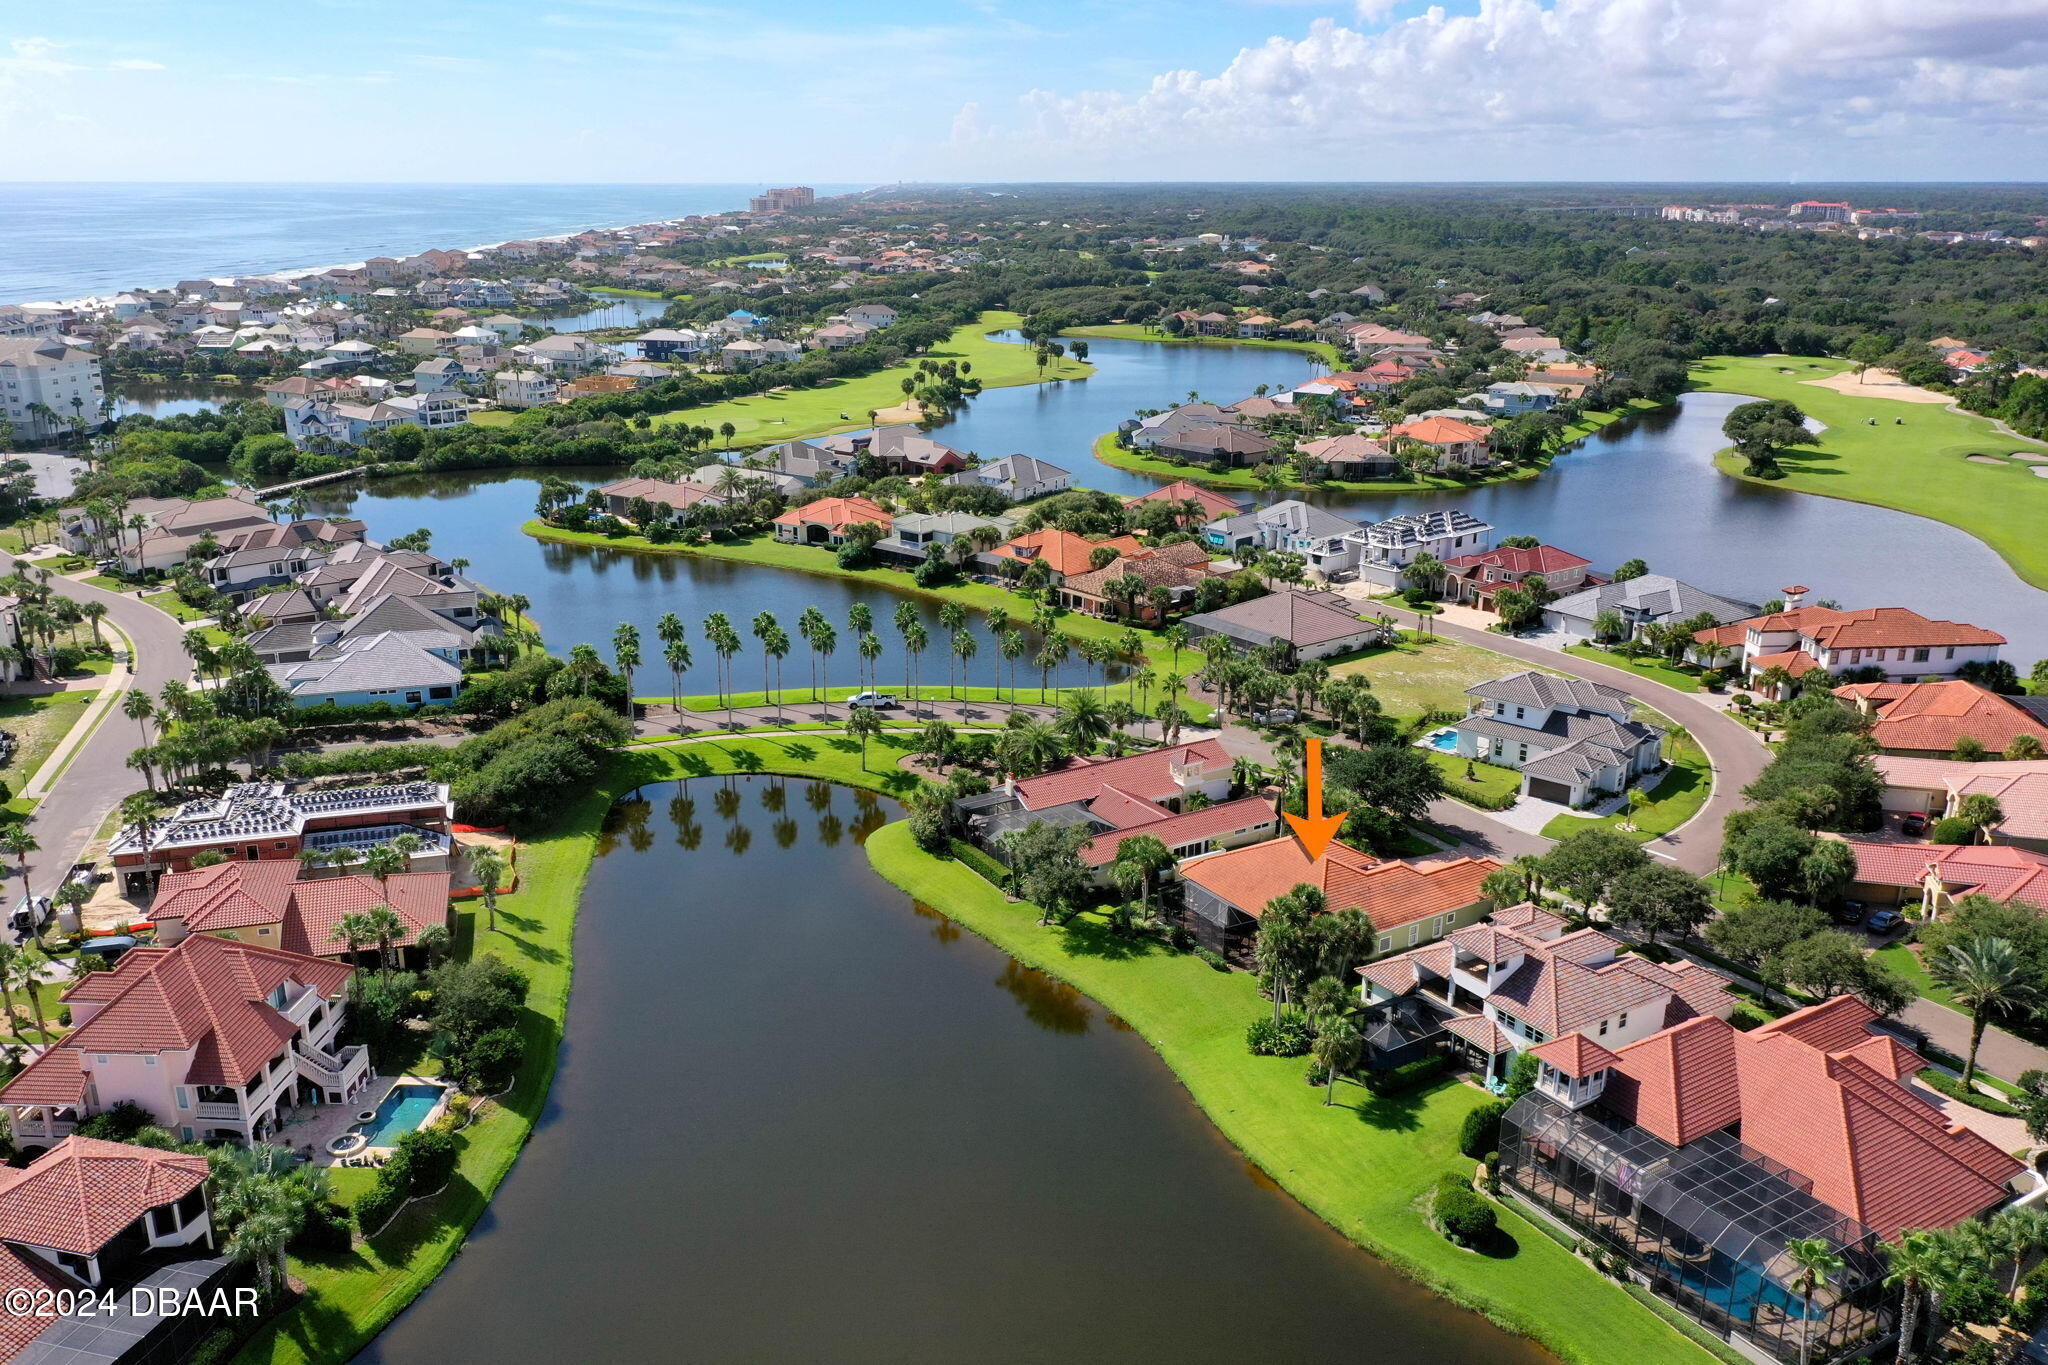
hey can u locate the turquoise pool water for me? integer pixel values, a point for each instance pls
(1444, 741)
(405, 1108)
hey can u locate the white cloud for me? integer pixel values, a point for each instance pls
(1574, 87)
(136, 64)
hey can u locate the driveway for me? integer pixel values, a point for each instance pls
(1735, 753)
(98, 775)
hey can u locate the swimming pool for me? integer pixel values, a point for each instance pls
(403, 1109)
(1444, 741)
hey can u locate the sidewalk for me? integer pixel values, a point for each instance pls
(114, 686)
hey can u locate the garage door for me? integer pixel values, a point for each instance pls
(1544, 790)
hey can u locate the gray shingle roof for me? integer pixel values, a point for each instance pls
(1552, 692)
(1658, 596)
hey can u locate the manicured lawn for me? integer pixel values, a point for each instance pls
(982, 597)
(795, 413)
(1028, 692)
(1655, 669)
(1914, 459)
(38, 725)
(1906, 963)
(1418, 676)
(1361, 1165)
(169, 601)
(1118, 456)
(1675, 799)
(1496, 787)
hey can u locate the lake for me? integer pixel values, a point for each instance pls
(837, 1127)
(1643, 487)
(608, 310)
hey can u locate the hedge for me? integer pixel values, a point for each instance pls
(1953, 1088)
(1409, 1075)
(990, 871)
(1460, 1214)
(1480, 1131)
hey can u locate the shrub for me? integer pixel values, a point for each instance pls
(1744, 1018)
(430, 1156)
(327, 1231)
(990, 871)
(217, 1347)
(1954, 830)
(1460, 1214)
(1480, 1132)
(1213, 958)
(1522, 1075)
(1288, 1038)
(460, 1107)
(1953, 1088)
(118, 1124)
(491, 1059)
(1401, 1079)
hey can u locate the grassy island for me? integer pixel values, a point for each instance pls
(1917, 458)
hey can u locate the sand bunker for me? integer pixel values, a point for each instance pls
(1878, 384)
(1983, 459)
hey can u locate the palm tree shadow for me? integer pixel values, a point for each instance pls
(1397, 1113)
(1093, 938)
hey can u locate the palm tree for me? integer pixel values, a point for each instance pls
(824, 643)
(353, 930)
(1335, 1050)
(1985, 976)
(952, 620)
(387, 928)
(2014, 1234)
(1817, 1263)
(1028, 745)
(9, 956)
(1012, 645)
(870, 649)
(1149, 857)
(916, 639)
(19, 843)
(1082, 723)
(259, 1239)
(139, 708)
(626, 656)
(863, 724)
(1916, 1260)
(383, 862)
(487, 865)
(27, 968)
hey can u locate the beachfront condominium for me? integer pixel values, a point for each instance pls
(47, 386)
(775, 201)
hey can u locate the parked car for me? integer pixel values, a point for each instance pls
(1914, 823)
(1884, 921)
(881, 701)
(1849, 912)
(1279, 715)
(32, 914)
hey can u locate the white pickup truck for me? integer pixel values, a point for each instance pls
(881, 701)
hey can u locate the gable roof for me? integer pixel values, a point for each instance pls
(1148, 775)
(236, 895)
(2000, 871)
(1935, 715)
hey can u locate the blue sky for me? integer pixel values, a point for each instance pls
(846, 91)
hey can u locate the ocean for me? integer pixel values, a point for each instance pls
(68, 241)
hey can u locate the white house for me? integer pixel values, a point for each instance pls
(524, 388)
(46, 385)
(1903, 644)
(1572, 740)
(1016, 476)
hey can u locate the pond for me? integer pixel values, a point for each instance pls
(174, 399)
(606, 310)
(825, 1123)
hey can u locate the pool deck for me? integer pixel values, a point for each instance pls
(321, 1125)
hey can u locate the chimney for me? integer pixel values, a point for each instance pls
(1793, 595)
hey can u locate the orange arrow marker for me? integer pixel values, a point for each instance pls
(1315, 830)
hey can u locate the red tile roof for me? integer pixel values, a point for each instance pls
(1996, 870)
(25, 1272)
(1817, 1092)
(1872, 628)
(80, 1194)
(1479, 1031)
(206, 995)
(1540, 559)
(1575, 1055)
(1063, 551)
(1209, 822)
(835, 512)
(1214, 504)
(242, 894)
(1441, 431)
(1933, 716)
(1149, 775)
(1392, 893)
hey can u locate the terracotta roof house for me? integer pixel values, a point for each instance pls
(1934, 876)
(1519, 980)
(1936, 787)
(221, 1041)
(1458, 444)
(1701, 1152)
(620, 496)
(1904, 645)
(825, 521)
(1409, 901)
(1312, 625)
(268, 903)
(1352, 456)
(1177, 569)
(1477, 578)
(1120, 798)
(1216, 443)
(1926, 719)
(1213, 505)
(1063, 552)
(91, 1214)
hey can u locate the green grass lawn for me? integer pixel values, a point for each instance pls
(1685, 679)
(1028, 692)
(1906, 963)
(1418, 676)
(169, 601)
(1361, 1165)
(792, 414)
(1675, 799)
(1919, 467)
(1496, 787)
(982, 597)
(38, 724)
(1118, 456)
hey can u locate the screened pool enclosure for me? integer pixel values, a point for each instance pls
(1708, 1222)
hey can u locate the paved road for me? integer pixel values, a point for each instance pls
(1735, 752)
(2001, 1053)
(99, 776)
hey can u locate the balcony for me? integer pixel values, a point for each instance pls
(210, 1110)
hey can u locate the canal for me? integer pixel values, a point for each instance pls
(801, 1118)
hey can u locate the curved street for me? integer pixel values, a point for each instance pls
(98, 775)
